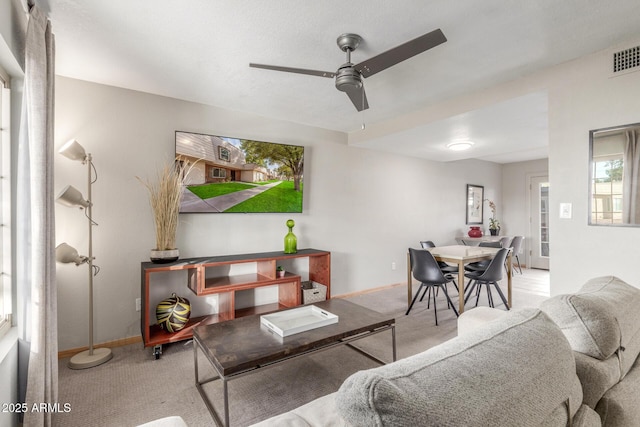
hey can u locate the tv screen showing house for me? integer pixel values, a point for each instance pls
(226, 174)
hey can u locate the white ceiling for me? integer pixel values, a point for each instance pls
(200, 51)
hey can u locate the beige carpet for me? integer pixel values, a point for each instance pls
(133, 388)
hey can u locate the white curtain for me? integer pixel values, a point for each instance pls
(35, 231)
(631, 179)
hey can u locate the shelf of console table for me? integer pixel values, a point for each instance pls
(209, 276)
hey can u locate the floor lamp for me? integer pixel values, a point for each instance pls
(71, 197)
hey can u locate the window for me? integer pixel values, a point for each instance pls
(5, 206)
(544, 219)
(224, 154)
(218, 173)
(606, 205)
(613, 175)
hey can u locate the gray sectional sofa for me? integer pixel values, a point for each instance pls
(572, 362)
(602, 324)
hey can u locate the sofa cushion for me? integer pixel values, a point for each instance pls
(596, 376)
(319, 412)
(600, 319)
(620, 406)
(586, 417)
(517, 370)
(173, 421)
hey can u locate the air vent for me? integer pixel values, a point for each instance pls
(626, 60)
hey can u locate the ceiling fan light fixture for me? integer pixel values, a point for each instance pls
(347, 78)
(459, 145)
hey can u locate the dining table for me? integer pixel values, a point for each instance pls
(460, 255)
(475, 241)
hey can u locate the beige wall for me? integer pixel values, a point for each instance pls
(366, 207)
(583, 96)
(13, 26)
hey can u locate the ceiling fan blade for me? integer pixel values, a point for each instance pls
(400, 53)
(295, 70)
(359, 98)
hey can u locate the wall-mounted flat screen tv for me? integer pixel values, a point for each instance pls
(239, 175)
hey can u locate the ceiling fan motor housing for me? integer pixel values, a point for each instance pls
(347, 78)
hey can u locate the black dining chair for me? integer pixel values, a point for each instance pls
(426, 270)
(446, 268)
(482, 265)
(491, 276)
(516, 245)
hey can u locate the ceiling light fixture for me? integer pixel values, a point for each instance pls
(459, 145)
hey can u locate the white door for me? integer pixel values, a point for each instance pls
(539, 202)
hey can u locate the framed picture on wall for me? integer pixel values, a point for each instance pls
(475, 196)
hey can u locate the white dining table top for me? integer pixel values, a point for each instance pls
(461, 252)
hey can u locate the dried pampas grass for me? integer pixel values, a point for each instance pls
(165, 192)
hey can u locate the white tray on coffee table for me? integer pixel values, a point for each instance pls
(294, 321)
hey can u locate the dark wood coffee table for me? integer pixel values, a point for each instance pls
(242, 346)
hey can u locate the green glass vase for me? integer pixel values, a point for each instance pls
(290, 240)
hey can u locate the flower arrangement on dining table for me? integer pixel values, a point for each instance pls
(494, 224)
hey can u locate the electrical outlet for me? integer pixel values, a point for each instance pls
(393, 265)
(138, 304)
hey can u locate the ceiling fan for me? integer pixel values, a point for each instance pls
(349, 76)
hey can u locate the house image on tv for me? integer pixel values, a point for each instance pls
(216, 160)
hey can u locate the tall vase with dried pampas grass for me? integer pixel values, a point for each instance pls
(165, 193)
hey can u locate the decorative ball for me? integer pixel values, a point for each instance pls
(291, 223)
(173, 313)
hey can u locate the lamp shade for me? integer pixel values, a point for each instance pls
(73, 150)
(66, 254)
(72, 197)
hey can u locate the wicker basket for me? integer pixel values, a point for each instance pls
(313, 292)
